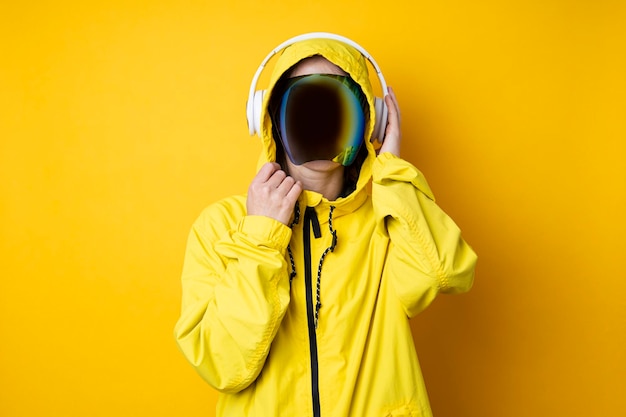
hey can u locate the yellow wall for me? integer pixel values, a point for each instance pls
(121, 120)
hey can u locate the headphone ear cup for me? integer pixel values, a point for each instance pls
(255, 113)
(380, 125)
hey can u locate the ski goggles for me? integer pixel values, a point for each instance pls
(321, 117)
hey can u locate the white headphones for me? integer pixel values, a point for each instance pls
(255, 98)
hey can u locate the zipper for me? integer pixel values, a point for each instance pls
(311, 221)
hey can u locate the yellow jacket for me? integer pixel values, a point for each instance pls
(372, 260)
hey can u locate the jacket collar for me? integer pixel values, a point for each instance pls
(342, 205)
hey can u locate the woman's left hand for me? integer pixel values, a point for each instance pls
(391, 143)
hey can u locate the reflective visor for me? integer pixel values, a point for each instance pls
(322, 117)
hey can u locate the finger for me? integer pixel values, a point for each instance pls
(277, 178)
(393, 121)
(392, 94)
(266, 171)
(286, 184)
(294, 192)
(392, 130)
(392, 105)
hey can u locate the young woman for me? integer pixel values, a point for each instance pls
(297, 297)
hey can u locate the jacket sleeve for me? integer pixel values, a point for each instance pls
(427, 254)
(235, 291)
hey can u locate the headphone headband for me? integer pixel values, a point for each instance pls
(255, 98)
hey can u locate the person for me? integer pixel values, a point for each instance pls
(296, 297)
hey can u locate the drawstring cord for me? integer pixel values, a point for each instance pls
(296, 219)
(331, 248)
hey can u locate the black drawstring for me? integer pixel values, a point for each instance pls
(313, 222)
(296, 219)
(331, 248)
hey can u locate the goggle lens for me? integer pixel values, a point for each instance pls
(322, 117)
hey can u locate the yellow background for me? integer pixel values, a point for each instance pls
(121, 120)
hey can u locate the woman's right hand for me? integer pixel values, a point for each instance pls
(273, 193)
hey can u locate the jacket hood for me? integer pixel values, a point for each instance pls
(348, 59)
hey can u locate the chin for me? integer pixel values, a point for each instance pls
(321, 165)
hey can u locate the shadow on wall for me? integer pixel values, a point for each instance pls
(459, 338)
(459, 344)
